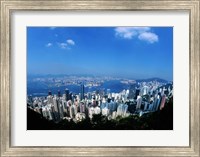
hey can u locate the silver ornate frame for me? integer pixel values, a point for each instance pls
(8, 6)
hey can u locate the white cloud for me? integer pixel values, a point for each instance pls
(130, 32)
(67, 44)
(49, 45)
(70, 42)
(143, 33)
(149, 37)
(63, 45)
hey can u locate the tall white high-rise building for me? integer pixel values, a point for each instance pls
(139, 102)
(90, 112)
(145, 105)
(162, 104)
(82, 107)
(157, 103)
(55, 103)
(97, 110)
(61, 111)
(144, 90)
(105, 111)
(122, 110)
(56, 108)
(73, 111)
(50, 99)
(114, 115)
(44, 112)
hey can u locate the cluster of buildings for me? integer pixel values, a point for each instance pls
(140, 98)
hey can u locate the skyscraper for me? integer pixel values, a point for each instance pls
(131, 91)
(108, 91)
(49, 93)
(56, 108)
(70, 96)
(139, 102)
(144, 90)
(82, 107)
(82, 91)
(137, 92)
(122, 109)
(59, 94)
(163, 102)
(157, 102)
(67, 94)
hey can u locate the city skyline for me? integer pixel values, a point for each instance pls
(136, 107)
(137, 52)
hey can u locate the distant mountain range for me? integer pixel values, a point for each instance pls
(89, 75)
(153, 79)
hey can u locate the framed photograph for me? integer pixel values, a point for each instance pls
(99, 78)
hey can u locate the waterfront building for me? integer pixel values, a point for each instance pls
(59, 94)
(108, 91)
(49, 93)
(67, 94)
(82, 92)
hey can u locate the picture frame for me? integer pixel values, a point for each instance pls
(8, 6)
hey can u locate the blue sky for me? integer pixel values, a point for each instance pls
(132, 52)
